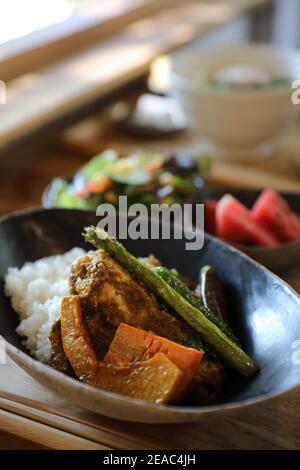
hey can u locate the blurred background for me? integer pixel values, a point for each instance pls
(21, 18)
(74, 71)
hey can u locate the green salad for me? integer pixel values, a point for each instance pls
(143, 177)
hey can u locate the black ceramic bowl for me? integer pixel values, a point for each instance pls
(265, 314)
(278, 258)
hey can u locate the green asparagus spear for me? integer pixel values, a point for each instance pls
(193, 337)
(209, 331)
(174, 281)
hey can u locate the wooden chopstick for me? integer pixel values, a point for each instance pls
(98, 433)
(44, 435)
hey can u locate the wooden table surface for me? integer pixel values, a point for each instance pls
(29, 409)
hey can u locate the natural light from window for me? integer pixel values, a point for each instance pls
(19, 18)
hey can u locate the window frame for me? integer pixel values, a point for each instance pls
(52, 96)
(54, 43)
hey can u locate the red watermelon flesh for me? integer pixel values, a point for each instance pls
(235, 224)
(272, 211)
(210, 207)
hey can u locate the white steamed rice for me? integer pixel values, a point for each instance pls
(36, 291)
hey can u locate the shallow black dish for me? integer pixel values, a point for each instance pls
(277, 259)
(265, 310)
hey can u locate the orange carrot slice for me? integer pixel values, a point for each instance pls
(133, 344)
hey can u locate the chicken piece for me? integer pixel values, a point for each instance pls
(105, 286)
(155, 380)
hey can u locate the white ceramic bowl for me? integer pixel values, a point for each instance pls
(238, 121)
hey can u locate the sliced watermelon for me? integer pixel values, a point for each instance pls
(235, 225)
(273, 212)
(210, 207)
